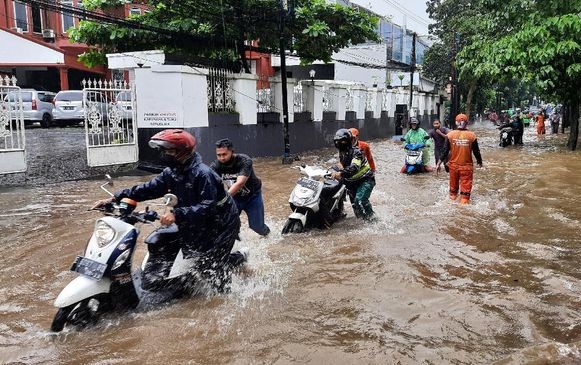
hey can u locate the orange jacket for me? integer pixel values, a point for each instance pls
(364, 147)
(458, 149)
(540, 121)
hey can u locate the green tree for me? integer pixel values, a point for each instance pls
(543, 47)
(218, 29)
(456, 22)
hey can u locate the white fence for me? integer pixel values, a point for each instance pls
(12, 146)
(111, 135)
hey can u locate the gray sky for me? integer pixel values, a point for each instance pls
(412, 12)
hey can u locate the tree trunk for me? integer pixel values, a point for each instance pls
(574, 124)
(470, 96)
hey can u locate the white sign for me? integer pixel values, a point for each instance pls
(170, 96)
(162, 119)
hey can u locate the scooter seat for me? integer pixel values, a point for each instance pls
(330, 187)
(163, 235)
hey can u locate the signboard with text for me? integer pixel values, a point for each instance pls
(160, 120)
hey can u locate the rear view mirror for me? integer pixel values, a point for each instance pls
(402, 139)
(426, 138)
(108, 183)
(170, 200)
(109, 179)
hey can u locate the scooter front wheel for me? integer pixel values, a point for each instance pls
(293, 226)
(60, 318)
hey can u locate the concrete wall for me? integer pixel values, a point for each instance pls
(259, 137)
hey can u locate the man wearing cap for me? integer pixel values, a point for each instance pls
(243, 185)
(457, 155)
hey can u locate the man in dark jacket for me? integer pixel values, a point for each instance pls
(356, 174)
(205, 214)
(438, 134)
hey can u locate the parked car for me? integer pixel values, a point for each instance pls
(69, 110)
(36, 105)
(124, 100)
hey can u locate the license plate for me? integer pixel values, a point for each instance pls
(308, 183)
(88, 267)
(68, 108)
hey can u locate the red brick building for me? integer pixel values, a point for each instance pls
(35, 48)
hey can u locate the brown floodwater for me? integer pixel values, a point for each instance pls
(432, 282)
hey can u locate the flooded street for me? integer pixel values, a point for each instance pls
(432, 282)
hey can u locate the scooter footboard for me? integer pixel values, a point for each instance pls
(81, 288)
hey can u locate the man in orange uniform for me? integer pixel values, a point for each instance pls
(457, 155)
(363, 147)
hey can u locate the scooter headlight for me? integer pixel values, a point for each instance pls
(104, 234)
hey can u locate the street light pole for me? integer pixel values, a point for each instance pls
(455, 107)
(286, 158)
(412, 69)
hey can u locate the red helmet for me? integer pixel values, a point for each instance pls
(461, 118)
(174, 139)
(354, 132)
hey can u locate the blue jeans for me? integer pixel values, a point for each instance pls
(254, 208)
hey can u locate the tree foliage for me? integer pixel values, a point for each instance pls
(543, 47)
(218, 29)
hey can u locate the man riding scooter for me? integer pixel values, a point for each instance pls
(205, 214)
(417, 135)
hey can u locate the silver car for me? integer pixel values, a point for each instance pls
(36, 105)
(124, 100)
(69, 110)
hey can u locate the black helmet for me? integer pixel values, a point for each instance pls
(342, 139)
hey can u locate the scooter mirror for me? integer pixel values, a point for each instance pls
(170, 200)
(426, 138)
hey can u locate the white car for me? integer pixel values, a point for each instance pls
(68, 107)
(124, 100)
(36, 105)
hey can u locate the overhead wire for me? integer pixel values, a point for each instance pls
(407, 12)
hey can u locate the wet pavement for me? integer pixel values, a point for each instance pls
(54, 155)
(432, 282)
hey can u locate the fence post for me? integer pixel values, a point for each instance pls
(244, 95)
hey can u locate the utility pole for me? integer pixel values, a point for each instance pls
(388, 56)
(454, 108)
(412, 69)
(286, 158)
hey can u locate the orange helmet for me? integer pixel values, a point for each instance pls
(354, 132)
(461, 118)
(174, 139)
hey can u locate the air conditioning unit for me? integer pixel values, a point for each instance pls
(48, 34)
(18, 30)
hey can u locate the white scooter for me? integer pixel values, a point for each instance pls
(316, 200)
(106, 281)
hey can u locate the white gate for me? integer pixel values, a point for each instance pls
(110, 122)
(12, 152)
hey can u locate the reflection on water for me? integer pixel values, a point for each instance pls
(431, 282)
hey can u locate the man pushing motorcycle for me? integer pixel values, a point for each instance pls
(205, 214)
(356, 174)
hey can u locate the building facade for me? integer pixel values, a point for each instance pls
(35, 47)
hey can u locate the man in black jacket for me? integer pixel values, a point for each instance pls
(356, 175)
(205, 214)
